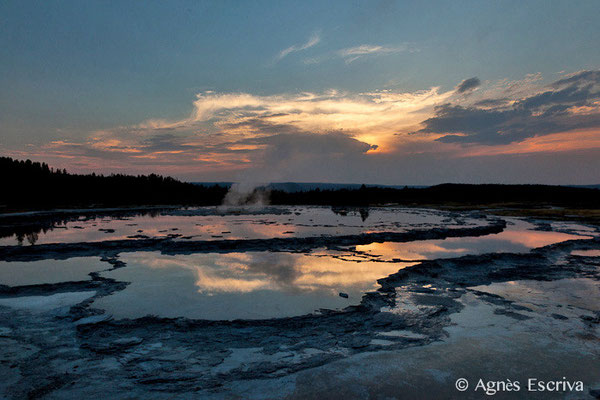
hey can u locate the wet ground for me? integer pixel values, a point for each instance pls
(296, 302)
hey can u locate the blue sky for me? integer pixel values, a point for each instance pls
(71, 71)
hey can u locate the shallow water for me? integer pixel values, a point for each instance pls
(549, 296)
(586, 253)
(18, 273)
(518, 237)
(251, 285)
(265, 284)
(213, 223)
(256, 285)
(40, 304)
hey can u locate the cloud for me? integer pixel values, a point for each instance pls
(490, 103)
(303, 154)
(244, 114)
(567, 104)
(578, 78)
(468, 85)
(230, 132)
(335, 135)
(354, 53)
(314, 39)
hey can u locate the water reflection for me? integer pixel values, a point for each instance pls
(239, 285)
(17, 273)
(344, 211)
(517, 238)
(548, 296)
(586, 253)
(31, 238)
(273, 284)
(211, 224)
(30, 226)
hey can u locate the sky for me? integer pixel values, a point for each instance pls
(387, 92)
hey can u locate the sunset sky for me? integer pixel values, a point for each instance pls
(390, 92)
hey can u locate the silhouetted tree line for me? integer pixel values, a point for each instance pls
(447, 194)
(34, 185)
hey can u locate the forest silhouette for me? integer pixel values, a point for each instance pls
(33, 185)
(29, 185)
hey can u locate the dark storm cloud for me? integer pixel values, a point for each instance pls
(574, 94)
(540, 114)
(311, 143)
(468, 84)
(304, 154)
(285, 140)
(578, 78)
(492, 102)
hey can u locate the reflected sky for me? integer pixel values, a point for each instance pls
(586, 253)
(17, 273)
(239, 285)
(539, 295)
(516, 238)
(205, 223)
(257, 285)
(260, 285)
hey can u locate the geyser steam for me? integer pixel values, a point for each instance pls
(247, 194)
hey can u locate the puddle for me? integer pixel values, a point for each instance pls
(253, 285)
(573, 227)
(516, 238)
(40, 304)
(586, 253)
(17, 273)
(403, 334)
(582, 293)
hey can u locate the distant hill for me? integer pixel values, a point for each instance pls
(586, 186)
(291, 187)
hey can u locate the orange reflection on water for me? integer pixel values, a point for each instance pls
(406, 251)
(535, 239)
(586, 253)
(516, 238)
(332, 272)
(247, 272)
